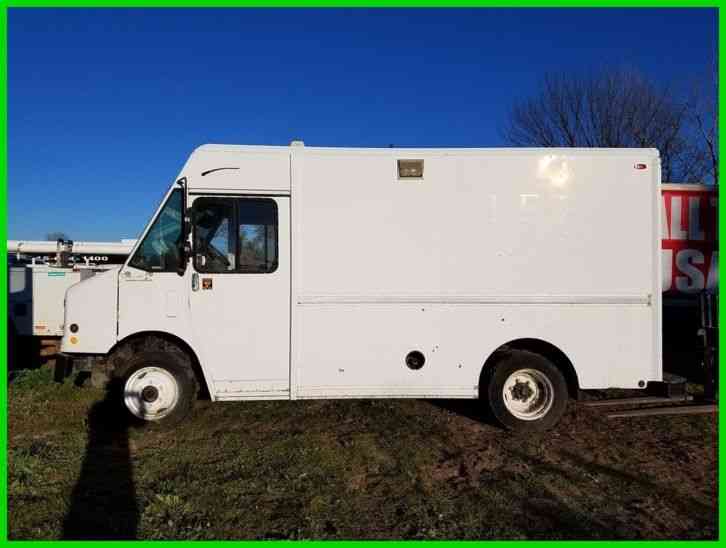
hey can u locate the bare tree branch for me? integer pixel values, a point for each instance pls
(618, 108)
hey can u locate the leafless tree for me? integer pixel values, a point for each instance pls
(703, 109)
(614, 108)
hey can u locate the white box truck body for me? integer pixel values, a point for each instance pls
(35, 298)
(369, 273)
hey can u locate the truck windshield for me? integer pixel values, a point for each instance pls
(160, 250)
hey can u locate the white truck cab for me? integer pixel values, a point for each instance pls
(300, 272)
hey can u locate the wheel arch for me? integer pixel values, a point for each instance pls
(197, 368)
(543, 348)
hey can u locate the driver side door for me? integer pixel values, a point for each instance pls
(240, 293)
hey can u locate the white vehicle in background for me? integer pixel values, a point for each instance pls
(300, 272)
(39, 273)
(37, 286)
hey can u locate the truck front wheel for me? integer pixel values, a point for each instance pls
(157, 388)
(526, 392)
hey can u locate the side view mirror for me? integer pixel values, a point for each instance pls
(184, 248)
(186, 253)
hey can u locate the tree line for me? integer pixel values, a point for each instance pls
(623, 108)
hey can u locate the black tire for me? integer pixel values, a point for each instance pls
(171, 364)
(544, 385)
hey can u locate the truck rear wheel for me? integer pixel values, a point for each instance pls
(526, 392)
(157, 388)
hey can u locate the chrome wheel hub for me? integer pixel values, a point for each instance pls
(528, 394)
(151, 393)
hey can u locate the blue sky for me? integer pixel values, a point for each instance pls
(105, 105)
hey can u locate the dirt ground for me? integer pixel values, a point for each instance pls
(356, 469)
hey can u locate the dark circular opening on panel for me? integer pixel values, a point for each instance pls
(74, 328)
(415, 360)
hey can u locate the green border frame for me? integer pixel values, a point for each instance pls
(362, 3)
(6, 4)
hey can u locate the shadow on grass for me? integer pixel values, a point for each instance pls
(554, 513)
(538, 489)
(472, 409)
(103, 503)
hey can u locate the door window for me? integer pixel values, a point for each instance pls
(235, 235)
(214, 247)
(257, 235)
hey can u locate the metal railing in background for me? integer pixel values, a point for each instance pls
(708, 335)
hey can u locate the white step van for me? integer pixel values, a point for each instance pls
(303, 272)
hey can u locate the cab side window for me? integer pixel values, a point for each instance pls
(214, 245)
(257, 235)
(235, 235)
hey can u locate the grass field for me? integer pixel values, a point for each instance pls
(349, 469)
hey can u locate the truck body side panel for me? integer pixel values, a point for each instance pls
(487, 247)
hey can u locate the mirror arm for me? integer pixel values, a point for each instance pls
(184, 247)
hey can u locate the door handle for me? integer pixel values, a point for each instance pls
(195, 282)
